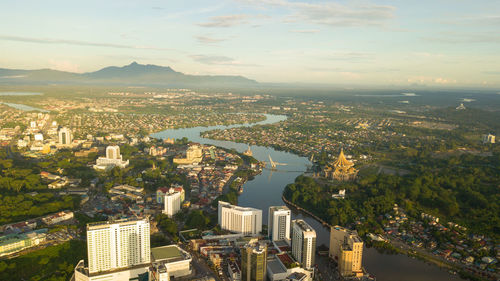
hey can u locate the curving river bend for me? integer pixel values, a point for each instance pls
(267, 188)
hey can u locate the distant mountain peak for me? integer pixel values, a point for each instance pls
(133, 73)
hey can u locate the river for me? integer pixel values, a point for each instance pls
(267, 188)
(23, 107)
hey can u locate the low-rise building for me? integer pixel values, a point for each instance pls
(113, 159)
(13, 243)
(57, 217)
(175, 260)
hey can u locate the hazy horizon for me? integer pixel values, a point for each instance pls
(364, 43)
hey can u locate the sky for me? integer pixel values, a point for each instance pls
(375, 42)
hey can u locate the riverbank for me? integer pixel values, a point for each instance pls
(398, 247)
(266, 190)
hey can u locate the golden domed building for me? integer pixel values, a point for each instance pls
(341, 170)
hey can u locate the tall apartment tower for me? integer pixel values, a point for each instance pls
(113, 152)
(346, 247)
(303, 243)
(278, 225)
(172, 201)
(240, 219)
(254, 262)
(118, 244)
(65, 136)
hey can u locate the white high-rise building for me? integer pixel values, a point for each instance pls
(113, 152)
(172, 202)
(489, 138)
(119, 244)
(303, 243)
(279, 223)
(65, 136)
(113, 159)
(240, 219)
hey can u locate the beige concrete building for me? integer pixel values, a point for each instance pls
(194, 154)
(254, 262)
(346, 247)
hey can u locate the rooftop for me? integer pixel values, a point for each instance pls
(279, 208)
(275, 266)
(168, 253)
(238, 208)
(304, 226)
(101, 224)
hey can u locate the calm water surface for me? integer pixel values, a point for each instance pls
(20, 94)
(24, 107)
(267, 188)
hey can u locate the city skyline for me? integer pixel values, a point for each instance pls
(327, 42)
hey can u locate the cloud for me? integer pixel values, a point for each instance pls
(331, 14)
(349, 56)
(350, 75)
(431, 80)
(491, 72)
(213, 60)
(208, 40)
(464, 37)
(219, 60)
(64, 65)
(77, 43)
(225, 21)
(485, 20)
(305, 31)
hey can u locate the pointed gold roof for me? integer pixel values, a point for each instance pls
(342, 161)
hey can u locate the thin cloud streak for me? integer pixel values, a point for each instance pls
(225, 21)
(457, 37)
(331, 14)
(208, 40)
(219, 60)
(79, 43)
(305, 31)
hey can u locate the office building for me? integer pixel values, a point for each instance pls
(284, 267)
(194, 154)
(254, 262)
(346, 247)
(489, 138)
(172, 202)
(162, 191)
(65, 137)
(238, 219)
(169, 260)
(279, 223)
(120, 244)
(113, 159)
(303, 243)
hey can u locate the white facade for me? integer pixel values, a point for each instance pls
(240, 219)
(171, 259)
(81, 274)
(117, 245)
(489, 138)
(172, 202)
(303, 243)
(113, 159)
(65, 137)
(279, 223)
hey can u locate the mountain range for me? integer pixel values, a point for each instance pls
(133, 74)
